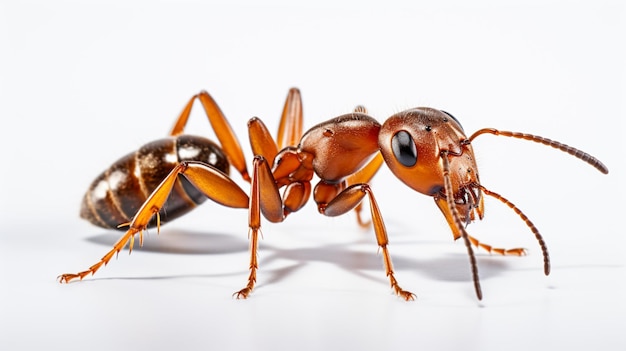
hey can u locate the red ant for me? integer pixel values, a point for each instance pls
(425, 148)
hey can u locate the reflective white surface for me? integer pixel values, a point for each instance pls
(83, 84)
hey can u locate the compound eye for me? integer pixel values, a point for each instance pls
(454, 118)
(404, 149)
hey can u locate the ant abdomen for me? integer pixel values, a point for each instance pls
(118, 192)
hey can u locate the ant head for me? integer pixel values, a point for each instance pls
(412, 142)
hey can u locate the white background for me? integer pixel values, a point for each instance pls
(82, 84)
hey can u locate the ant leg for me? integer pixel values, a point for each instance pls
(287, 173)
(265, 197)
(117, 247)
(364, 175)
(254, 223)
(270, 203)
(359, 217)
(290, 127)
(220, 126)
(348, 199)
(261, 140)
(518, 251)
(214, 184)
(443, 206)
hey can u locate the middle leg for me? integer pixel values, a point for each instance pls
(348, 199)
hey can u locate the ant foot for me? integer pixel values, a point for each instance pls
(243, 293)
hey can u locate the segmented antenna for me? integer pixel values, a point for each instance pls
(555, 144)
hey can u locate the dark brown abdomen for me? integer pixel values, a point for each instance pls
(118, 193)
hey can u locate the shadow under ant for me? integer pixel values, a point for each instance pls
(451, 267)
(180, 241)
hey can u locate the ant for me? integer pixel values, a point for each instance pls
(425, 148)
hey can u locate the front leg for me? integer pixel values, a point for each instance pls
(346, 200)
(442, 203)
